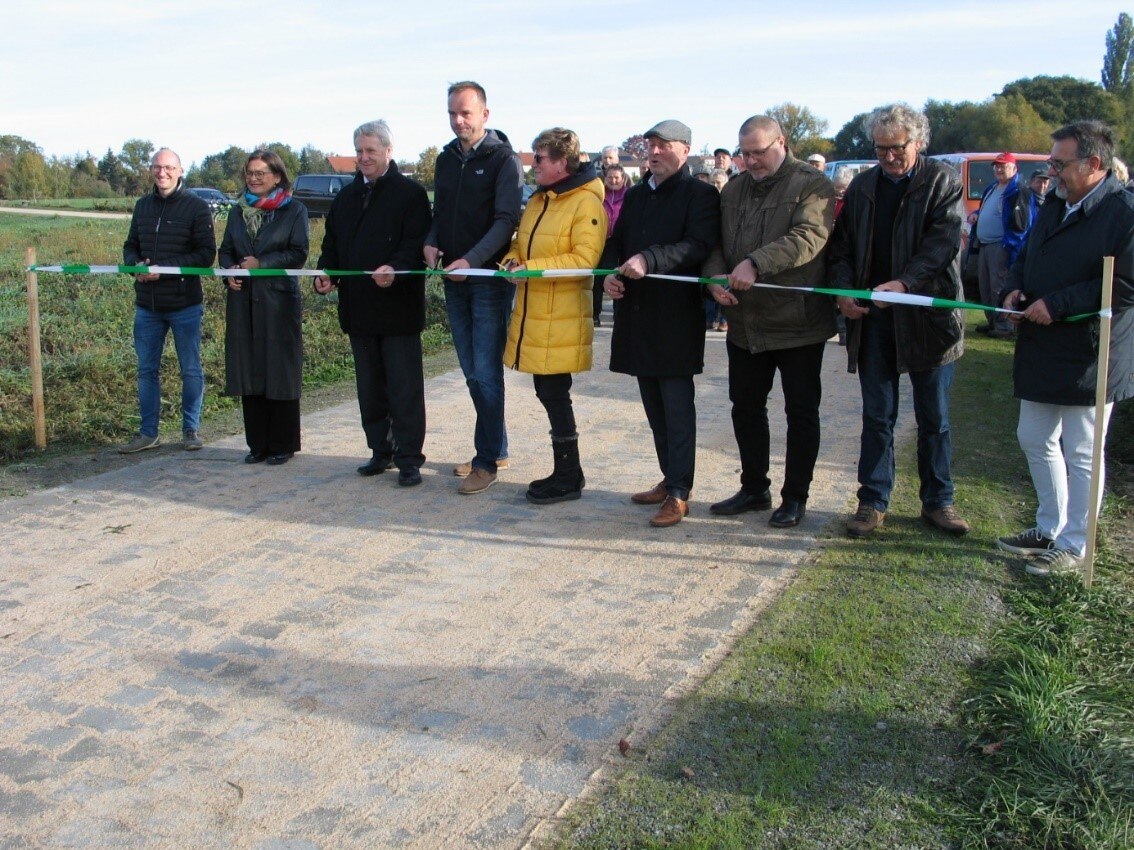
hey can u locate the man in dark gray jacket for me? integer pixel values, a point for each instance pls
(476, 209)
(1058, 276)
(900, 231)
(775, 222)
(170, 227)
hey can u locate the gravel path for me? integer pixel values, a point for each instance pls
(199, 653)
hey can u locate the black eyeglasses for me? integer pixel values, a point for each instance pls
(540, 158)
(895, 150)
(1057, 165)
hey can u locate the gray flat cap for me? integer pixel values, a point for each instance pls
(670, 131)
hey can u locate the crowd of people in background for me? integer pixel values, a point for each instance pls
(758, 222)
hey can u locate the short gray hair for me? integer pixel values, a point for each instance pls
(896, 117)
(609, 148)
(842, 175)
(760, 122)
(378, 129)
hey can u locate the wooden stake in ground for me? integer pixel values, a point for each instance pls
(1100, 421)
(35, 359)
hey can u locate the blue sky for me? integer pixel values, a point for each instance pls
(202, 74)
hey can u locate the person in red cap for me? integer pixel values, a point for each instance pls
(1007, 210)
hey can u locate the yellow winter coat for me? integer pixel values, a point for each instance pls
(552, 325)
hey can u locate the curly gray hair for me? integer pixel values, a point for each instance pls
(894, 118)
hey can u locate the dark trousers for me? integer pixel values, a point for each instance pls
(750, 379)
(596, 295)
(554, 393)
(391, 395)
(271, 426)
(672, 413)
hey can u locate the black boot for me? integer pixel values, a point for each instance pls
(566, 482)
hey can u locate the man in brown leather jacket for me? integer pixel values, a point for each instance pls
(775, 222)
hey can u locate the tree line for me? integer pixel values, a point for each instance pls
(1020, 117)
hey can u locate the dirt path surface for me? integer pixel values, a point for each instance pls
(195, 652)
(65, 213)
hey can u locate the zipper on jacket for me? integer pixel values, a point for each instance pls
(157, 236)
(523, 321)
(457, 200)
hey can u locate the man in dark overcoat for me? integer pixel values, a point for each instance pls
(378, 223)
(1057, 277)
(669, 224)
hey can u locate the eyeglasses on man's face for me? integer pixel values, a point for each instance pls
(1057, 165)
(892, 150)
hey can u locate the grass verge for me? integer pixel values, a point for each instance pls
(89, 366)
(870, 708)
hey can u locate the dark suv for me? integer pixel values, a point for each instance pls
(217, 200)
(318, 190)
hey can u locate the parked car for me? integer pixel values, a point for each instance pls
(976, 172)
(855, 166)
(976, 176)
(316, 191)
(219, 203)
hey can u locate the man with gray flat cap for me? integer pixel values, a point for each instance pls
(669, 224)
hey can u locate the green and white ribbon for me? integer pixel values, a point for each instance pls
(903, 298)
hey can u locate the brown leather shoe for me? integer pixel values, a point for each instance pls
(864, 521)
(653, 496)
(671, 512)
(476, 481)
(947, 519)
(462, 470)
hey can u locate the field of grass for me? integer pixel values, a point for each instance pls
(80, 204)
(911, 690)
(86, 331)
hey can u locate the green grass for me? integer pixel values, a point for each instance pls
(853, 714)
(86, 332)
(80, 204)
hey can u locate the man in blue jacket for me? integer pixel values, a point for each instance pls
(1058, 276)
(170, 227)
(1007, 210)
(476, 208)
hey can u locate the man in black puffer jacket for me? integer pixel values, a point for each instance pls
(476, 208)
(378, 223)
(170, 227)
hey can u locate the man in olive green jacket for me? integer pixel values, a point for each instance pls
(775, 222)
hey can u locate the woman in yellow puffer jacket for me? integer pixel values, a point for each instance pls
(563, 227)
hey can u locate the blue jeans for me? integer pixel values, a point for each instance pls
(878, 377)
(150, 328)
(479, 310)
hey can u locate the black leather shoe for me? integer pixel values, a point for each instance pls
(788, 515)
(280, 459)
(376, 466)
(410, 477)
(255, 457)
(742, 502)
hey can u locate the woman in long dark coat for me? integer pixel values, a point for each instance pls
(263, 343)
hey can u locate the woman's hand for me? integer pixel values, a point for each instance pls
(513, 265)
